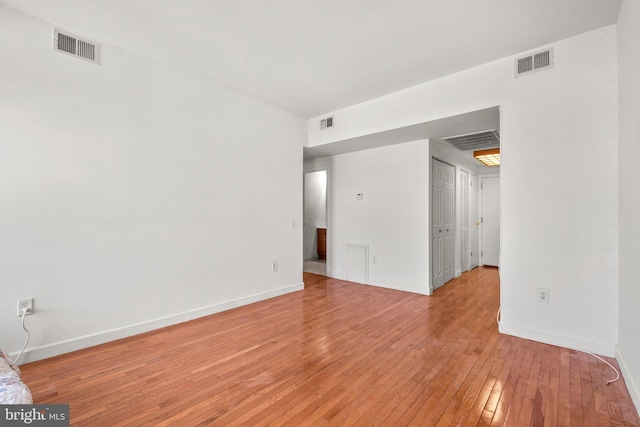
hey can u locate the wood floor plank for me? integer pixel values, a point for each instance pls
(551, 395)
(337, 354)
(564, 394)
(504, 386)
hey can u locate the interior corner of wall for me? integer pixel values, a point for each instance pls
(632, 383)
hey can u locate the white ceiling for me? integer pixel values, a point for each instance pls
(312, 57)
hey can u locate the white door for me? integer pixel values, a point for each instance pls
(474, 222)
(490, 193)
(442, 223)
(464, 221)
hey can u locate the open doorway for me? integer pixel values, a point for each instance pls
(315, 222)
(472, 238)
(483, 126)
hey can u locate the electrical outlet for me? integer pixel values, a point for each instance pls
(25, 303)
(274, 266)
(543, 295)
(375, 260)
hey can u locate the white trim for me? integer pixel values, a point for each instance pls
(402, 287)
(54, 349)
(632, 387)
(605, 349)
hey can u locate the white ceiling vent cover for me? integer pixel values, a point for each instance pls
(474, 141)
(326, 123)
(78, 47)
(534, 62)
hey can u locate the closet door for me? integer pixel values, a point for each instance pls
(442, 223)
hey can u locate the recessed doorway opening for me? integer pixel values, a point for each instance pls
(315, 222)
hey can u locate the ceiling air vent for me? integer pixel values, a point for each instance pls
(474, 141)
(79, 47)
(326, 123)
(534, 62)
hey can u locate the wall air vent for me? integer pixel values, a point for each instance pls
(533, 62)
(326, 123)
(78, 47)
(474, 141)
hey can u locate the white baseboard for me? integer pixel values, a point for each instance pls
(404, 287)
(398, 286)
(604, 349)
(632, 386)
(54, 349)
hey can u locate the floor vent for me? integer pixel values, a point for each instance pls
(534, 62)
(78, 47)
(326, 123)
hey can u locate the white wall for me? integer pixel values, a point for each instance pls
(315, 210)
(386, 175)
(134, 196)
(629, 159)
(558, 179)
(392, 218)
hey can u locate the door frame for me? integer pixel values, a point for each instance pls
(318, 165)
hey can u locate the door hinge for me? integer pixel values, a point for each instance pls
(481, 220)
(481, 186)
(481, 254)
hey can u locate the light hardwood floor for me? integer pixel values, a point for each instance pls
(339, 354)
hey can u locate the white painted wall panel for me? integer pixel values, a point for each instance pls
(134, 196)
(629, 158)
(356, 263)
(392, 218)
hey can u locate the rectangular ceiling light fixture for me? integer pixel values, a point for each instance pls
(488, 157)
